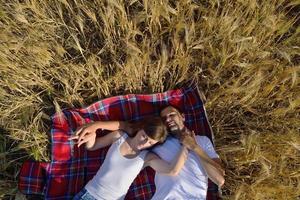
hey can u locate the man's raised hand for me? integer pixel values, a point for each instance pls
(188, 139)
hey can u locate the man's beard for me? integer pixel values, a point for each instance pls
(174, 130)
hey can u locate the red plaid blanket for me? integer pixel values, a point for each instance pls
(71, 167)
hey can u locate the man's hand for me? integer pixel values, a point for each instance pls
(85, 134)
(188, 139)
(213, 169)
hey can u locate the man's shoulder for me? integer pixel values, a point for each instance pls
(170, 141)
(202, 138)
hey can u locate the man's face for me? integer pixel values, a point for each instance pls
(172, 118)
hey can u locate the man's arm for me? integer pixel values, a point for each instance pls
(211, 166)
(214, 171)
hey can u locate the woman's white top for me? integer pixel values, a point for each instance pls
(116, 174)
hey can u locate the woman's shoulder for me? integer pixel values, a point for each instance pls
(117, 135)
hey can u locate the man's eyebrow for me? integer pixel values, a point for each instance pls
(172, 112)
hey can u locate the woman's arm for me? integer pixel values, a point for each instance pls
(107, 125)
(164, 167)
(92, 143)
(88, 131)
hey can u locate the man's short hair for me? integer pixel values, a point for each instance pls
(165, 106)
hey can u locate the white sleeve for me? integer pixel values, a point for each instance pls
(207, 146)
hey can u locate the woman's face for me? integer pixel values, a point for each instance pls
(143, 141)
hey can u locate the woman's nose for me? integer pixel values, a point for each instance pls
(144, 141)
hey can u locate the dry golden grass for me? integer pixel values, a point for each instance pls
(244, 54)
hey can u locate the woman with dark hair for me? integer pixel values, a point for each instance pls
(126, 157)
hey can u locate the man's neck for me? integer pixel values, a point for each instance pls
(177, 133)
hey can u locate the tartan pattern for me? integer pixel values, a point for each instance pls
(32, 177)
(71, 167)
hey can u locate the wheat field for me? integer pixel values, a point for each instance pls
(243, 54)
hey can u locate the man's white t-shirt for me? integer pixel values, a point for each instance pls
(192, 181)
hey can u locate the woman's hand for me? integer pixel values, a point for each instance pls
(85, 134)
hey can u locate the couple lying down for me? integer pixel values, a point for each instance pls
(183, 162)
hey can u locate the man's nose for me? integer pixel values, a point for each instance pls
(168, 119)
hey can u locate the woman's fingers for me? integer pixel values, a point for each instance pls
(84, 140)
(80, 143)
(74, 137)
(83, 133)
(78, 131)
(78, 137)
